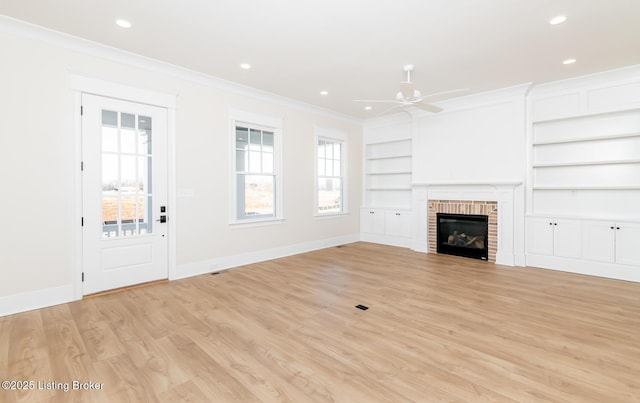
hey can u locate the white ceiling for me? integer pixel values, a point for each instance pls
(356, 49)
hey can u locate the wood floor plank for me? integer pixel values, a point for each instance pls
(438, 328)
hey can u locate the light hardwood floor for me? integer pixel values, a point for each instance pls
(439, 328)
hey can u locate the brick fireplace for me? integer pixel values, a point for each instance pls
(501, 201)
(475, 207)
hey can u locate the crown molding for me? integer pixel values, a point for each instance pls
(38, 33)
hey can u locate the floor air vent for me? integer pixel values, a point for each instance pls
(363, 307)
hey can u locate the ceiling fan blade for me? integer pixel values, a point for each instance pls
(407, 89)
(428, 107)
(387, 111)
(440, 94)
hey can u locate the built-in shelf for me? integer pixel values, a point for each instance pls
(390, 173)
(585, 163)
(622, 187)
(585, 116)
(587, 139)
(390, 157)
(393, 189)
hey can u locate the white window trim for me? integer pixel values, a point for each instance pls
(238, 117)
(338, 136)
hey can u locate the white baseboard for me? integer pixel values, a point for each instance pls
(590, 268)
(28, 301)
(402, 242)
(227, 262)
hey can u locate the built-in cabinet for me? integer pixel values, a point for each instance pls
(598, 241)
(388, 226)
(555, 237)
(386, 216)
(612, 242)
(583, 186)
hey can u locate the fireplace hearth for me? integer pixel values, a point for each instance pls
(463, 235)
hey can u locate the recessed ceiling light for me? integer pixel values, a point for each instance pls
(367, 108)
(324, 92)
(245, 66)
(558, 20)
(569, 61)
(123, 23)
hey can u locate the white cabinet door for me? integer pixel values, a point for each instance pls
(628, 244)
(405, 224)
(540, 236)
(397, 223)
(372, 221)
(567, 238)
(598, 241)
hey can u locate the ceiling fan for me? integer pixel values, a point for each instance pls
(410, 96)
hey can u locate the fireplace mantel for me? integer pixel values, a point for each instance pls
(507, 193)
(495, 183)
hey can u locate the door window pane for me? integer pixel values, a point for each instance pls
(126, 174)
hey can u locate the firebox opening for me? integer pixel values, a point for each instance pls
(463, 235)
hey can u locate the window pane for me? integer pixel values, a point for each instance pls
(329, 150)
(144, 135)
(259, 195)
(109, 172)
(321, 170)
(336, 168)
(128, 177)
(109, 214)
(109, 118)
(267, 163)
(147, 226)
(329, 195)
(328, 168)
(144, 174)
(255, 139)
(321, 148)
(336, 150)
(242, 137)
(241, 161)
(128, 120)
(109, 139)
(267, 141)
(254, 161)
(128, 209)
(128, 139)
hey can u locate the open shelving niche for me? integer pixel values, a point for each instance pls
(388, 174)
(587, 166)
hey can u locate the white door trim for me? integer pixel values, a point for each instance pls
(80, 84)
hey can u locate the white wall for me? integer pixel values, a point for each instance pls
(37, 161)
(476, 138)
(477, 142)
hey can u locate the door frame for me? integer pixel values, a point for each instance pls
(80, 84)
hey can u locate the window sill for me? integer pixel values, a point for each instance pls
(326, 216)
(258, 222)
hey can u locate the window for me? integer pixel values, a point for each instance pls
(330, 189)
(256, 179)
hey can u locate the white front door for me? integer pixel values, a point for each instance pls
(124, 190)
